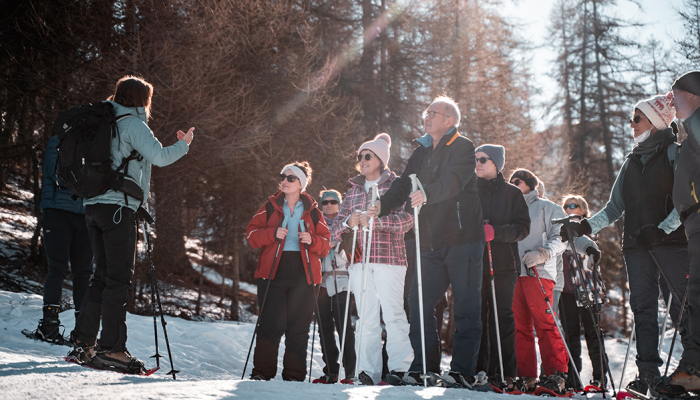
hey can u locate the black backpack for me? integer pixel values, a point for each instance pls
(84, 164)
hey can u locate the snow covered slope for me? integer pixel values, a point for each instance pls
(210, 356)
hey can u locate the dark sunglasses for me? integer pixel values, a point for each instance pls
(515, 182)
(571, 206)
(636, 119)
(368, 156)
(483, 160)
(289, 178)
(327, 202)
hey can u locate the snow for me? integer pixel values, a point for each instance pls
(210, 356)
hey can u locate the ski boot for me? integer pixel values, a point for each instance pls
(685, 379)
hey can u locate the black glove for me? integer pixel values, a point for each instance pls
(577, 229)
(595, 253)
(650, 236)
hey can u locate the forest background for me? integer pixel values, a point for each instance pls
(269, 82)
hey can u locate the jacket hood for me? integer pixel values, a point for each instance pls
(139, 112)
(531, 197)
(277, 201)
(360, 180)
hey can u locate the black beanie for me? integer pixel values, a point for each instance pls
(689, 82)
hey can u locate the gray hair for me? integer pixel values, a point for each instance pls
(451, 108)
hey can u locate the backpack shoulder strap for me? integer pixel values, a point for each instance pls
(269, 209)
(315, 216)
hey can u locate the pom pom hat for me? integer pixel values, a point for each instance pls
(659, 111)
(379, 146)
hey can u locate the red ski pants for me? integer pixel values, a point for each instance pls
(530, 308)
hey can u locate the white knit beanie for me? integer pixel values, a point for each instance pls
(659, 111)
(379, 146)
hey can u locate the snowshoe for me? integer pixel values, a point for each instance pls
(545, 391)
(81, 353)
(624, 395)
(413, 378)
(365, 379)
(104, 362)
(50, 328)
(641, 383)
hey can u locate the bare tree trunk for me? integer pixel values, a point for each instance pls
(602, 111)
(236, 274)
(198, 308)
(578, 156)
(37, 209)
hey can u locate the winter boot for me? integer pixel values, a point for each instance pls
(81, 353)
(685, 378)
(365, 379)
(641, 383)
(457, 379)
(555, 382)
(332, 378)
(481, 379)
(102, 361)
(526, 384)
(49, 329)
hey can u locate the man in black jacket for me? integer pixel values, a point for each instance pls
(686, 185)
(451, 240)
(506, 222)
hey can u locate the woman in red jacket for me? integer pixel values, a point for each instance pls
(289, 283)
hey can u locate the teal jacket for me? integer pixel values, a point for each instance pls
(52, 194)
(134, 134)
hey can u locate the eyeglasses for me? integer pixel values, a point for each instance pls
(289, 178)
(327, 202)
(515, 182)
(431, 114)
(367, 157)
(636, 119)
(571, 206)
(483, 160)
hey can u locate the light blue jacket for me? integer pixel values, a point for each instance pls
(53, 195)
(134, 134)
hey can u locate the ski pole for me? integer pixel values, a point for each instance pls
(627, 356)
(347, 300)
(495, 313)
(367, 234)
(678, 324)
(313, 339)
(556, 322)
(151, 277)
(416, 185)
(668, 281)
(662, 335)
(149, 252)
(283, 224)
(313, 288)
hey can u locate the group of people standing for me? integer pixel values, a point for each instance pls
(500, 244)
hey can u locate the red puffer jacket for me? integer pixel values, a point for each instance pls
(261, 233)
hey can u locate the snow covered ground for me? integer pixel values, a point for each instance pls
(210, 356)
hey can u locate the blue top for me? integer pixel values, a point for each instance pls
(53, 195)
(291, 242)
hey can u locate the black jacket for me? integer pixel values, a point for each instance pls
(503, 205)
(452, 214)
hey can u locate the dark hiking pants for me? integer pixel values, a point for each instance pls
(66, 241)
(691, 347)
(461, 266)
(113, 237)
(644, 280)
(488, 352)
(331, 313)
(288, 311)
(572, 317)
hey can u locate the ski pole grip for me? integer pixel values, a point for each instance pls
(416, 185)
(302, 227)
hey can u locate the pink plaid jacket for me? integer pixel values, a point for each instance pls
(387, 239)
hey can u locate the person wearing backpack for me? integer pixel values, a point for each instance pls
(111, 221)
(653, 235)
(332, 296)
(66, 243)
(288, 269)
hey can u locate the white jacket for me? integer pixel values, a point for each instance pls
(335, 277)
(542, 234)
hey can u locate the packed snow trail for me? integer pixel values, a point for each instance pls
(209, 354)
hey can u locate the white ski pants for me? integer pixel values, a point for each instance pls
(384, 288)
